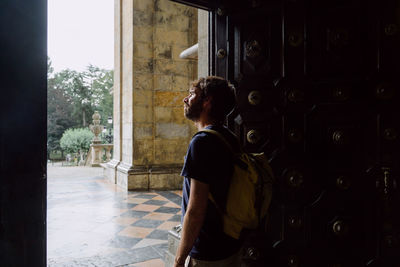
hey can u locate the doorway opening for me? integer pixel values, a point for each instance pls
(97, 212)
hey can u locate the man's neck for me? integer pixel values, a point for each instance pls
(202, 123)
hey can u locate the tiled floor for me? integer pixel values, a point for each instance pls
(94, 223)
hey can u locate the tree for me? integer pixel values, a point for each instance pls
(72, 83)
(88, 91)
(59, 112)
(58, 117)
(76, 140)
(73, 97)
(101, 83)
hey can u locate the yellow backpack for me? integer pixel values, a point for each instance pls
(250, 191)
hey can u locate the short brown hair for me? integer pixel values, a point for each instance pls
(221, 94)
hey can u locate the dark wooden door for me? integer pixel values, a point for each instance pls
(23, 118)
(318, 90)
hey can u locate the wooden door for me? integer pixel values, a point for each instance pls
(23, 118)
(317, 86)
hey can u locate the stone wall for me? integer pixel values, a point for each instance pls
(150, 131)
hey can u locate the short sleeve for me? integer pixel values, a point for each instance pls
(203, 159)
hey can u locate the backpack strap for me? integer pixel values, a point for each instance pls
(235, 154)
(230, 148)
(235, 157)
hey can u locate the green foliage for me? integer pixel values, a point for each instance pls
(59, 111)
(73, 97)
(76, 140)
(101, 83)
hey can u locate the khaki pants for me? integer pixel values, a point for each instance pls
(232, 261)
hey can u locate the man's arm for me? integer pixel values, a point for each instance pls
(193, 219)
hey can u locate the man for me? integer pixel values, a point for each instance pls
(207, 170)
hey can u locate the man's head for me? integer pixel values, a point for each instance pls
(211, 95)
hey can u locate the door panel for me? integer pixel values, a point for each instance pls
(317, 91)
(23, 119)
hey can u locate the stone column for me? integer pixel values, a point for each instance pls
(111, 166)
(150, 132)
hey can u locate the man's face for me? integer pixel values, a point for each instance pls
(193, 105)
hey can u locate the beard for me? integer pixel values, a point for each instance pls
(193, 111)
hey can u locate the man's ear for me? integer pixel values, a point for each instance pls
(207, 103)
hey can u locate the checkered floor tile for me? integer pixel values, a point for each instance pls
(108, 226)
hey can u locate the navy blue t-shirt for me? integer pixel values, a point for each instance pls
(210, 161)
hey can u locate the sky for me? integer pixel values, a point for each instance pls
(81, 32)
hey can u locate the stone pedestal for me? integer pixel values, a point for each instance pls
(174, 238)
(164, 177)
(96, 153)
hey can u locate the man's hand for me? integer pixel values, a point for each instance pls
(179, 261)
(193, 221)
(176, 264)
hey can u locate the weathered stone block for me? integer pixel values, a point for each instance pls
(143, 114)
(162, 82)
(180, 83)
(172, 8)
(143, 5)
(143, 131)
(163, 114)
(143, 81)
(163, 50)
(179, 117)
(143, 152)
(169, 99)
(138, 182)
(131, 181)
(143, 33)
(143, 18)
(165, 181)
(173, 21)
(170, 36)
(170, 151)
(173, 67)
(142, 66)
(180, 23)
(142, 98)
(171, 130)
(142, 50)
